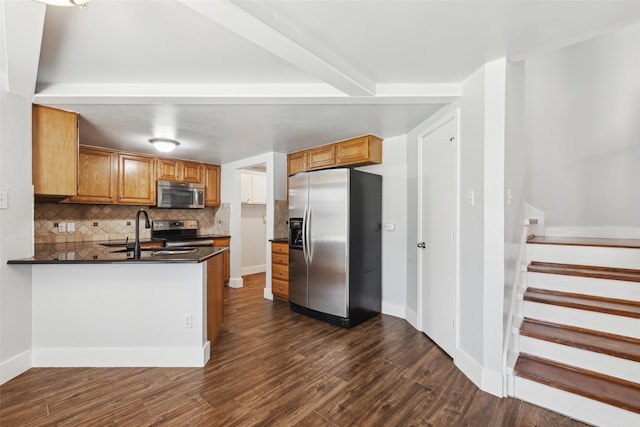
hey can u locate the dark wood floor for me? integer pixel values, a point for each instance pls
(271, 366)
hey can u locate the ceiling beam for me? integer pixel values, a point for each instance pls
(254, 22)
(264, 94)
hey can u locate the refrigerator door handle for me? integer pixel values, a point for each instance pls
(308, 233)
(305, 250)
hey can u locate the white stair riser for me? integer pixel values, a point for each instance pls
(620, 325)
(585, 285)
(597, 362)
(585, 255)
(573, 405)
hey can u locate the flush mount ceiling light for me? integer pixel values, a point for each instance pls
(80, 3)
(164, 144)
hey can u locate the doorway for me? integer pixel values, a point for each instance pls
(437, 256)
(253, 219)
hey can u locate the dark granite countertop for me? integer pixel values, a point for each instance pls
(280, 240)
(97, 253)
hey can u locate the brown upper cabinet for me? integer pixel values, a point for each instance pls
(321, 157)
(211, 185)
(54, 151)
(297, 162)
(179, 170)
(361, 151)
(136, 179)
(97, 176)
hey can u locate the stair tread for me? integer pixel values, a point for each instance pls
(600, 387)
(584, 302)
(611, 273)
(586, 339)
(586, 241)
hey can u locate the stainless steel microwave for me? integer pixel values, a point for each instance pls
(182, 195)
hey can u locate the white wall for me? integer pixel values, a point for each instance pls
(230, 193)
(481, 226)
(20, 35)
(254, 234)
(394, 211)
(582, 151)
(514, 212)
(119, 315)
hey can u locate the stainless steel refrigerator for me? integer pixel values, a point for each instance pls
(335, 245)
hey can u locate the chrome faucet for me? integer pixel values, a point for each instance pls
(136, 247)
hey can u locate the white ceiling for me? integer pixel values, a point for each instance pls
(232, 79)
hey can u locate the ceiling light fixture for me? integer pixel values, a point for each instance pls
(82, 4)
(164, 144)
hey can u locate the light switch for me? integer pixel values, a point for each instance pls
(471, 198)
(71, 227)
(4, 200)
(62, 227)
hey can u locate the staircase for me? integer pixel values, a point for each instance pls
(576, 340)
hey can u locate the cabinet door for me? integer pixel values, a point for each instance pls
(215, 299)
(136, 179)
(191, 172)
(322, 157)
(96, 176)
(296, 162)
(253, 188)
(259, 189)
(54, 151)
(246, 188)
(168, 169)
(225, 242)
(212, 185)
(363, 150)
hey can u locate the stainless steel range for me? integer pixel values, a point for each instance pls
(179, 233)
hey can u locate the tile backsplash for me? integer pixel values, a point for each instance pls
(116, 222)
(280, 219)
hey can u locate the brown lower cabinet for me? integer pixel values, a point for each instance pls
(225, 242)
(280, 269)
(215, 303)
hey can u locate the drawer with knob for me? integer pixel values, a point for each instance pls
(280, 288)
(280, 270)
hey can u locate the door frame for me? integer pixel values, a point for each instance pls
(455, 116)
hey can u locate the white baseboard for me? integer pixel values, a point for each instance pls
(121, 357)
(411, 317)
(253, 269)
(15, 366)
(236, 282)
(484, 379)
(468, 366)
(393, 309)
(267, 293)
(594, 232)
(492, 382)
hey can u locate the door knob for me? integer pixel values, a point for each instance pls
(422, 245)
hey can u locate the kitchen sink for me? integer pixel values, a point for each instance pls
(160, 251)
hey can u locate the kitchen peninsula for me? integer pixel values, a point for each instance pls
(93, 305)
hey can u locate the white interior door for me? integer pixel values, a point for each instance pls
(437, 249)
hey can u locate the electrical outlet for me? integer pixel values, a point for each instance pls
(62, 227)
(188, 320)
(71, 227)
